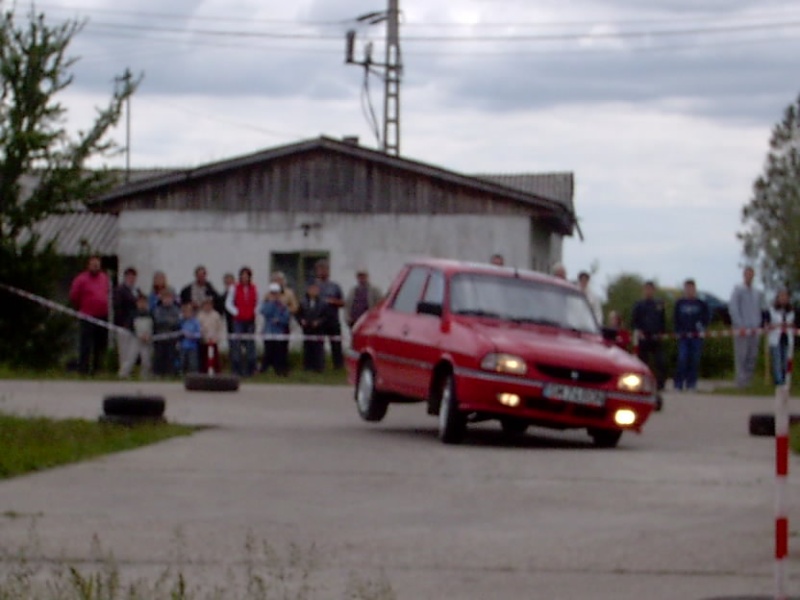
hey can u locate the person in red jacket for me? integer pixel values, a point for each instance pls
(89, 294)
(242, 305)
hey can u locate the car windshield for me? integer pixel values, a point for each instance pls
(522, 301)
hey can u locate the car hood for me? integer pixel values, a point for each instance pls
(554, 347)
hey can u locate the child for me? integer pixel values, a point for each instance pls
(276, 323)
(311, 316)
(166, 321)
(623, 337)
(780, 337)
(190, 342)
(212, 328)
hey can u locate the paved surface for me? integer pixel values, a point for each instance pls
(684, 511)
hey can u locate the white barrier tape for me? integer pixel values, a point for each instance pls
(61, 308)
(716, 333)
(159, 336)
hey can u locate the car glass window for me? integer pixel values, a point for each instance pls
(411, 290)
(434, 291)
(521, 300)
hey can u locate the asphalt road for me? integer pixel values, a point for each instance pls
(683, 511)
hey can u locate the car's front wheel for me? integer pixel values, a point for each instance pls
(452, 422)
(605, 438)
(371, 404)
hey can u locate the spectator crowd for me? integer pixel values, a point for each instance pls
(169, 333)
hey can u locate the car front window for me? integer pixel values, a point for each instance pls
(521, 300)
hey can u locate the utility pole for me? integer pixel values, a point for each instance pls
(391, 97)
(392, 69)
(125, 79)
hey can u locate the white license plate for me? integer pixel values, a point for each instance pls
(570, 393)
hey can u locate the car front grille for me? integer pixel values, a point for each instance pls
(557, 407)
(573, 375)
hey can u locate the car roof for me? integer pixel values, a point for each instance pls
(450, 267)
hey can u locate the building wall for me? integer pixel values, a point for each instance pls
(177, 241)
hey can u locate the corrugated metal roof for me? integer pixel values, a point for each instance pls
(557, 205)
(556, 186)
(77, 233)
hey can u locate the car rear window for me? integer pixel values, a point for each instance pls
(411, 290)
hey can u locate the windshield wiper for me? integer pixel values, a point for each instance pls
(548, 322)
(479, 312)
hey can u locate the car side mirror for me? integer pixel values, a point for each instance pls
(429, 308)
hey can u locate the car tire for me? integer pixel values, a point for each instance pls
(605, 438)
(371, 404)
(452, 422)
(151, 407)
(202, 382)
(513, 427)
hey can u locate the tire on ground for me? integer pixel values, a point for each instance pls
(763, 424)
(151, 407)
(605, 438)
(130, 420)
(201, 382)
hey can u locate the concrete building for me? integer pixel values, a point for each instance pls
(285, 207)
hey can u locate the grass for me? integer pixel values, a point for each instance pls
(264, 572)
(36, 443)
(759, 387)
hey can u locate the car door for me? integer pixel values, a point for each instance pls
(397, 363)
(423, 340)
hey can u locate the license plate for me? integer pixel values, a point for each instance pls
(570, 393)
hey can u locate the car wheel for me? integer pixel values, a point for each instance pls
(513, 427)
(605, 438)
(452, 422)
(372, 405)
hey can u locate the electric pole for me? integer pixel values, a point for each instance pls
(391, 97)
(392, 69)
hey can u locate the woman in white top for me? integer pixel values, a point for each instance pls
(781, 335)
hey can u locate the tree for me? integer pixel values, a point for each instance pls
(622, 293)
(772, 217)
(35, 144)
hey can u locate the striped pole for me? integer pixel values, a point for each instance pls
(781, 474)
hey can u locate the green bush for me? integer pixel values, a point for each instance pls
(31, 336)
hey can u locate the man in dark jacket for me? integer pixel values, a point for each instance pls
(201, 288)
(691, 320)
(125, 296)
(649, 322)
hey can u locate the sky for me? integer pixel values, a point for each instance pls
(662, 109)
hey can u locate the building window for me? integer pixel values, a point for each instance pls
(298, 267)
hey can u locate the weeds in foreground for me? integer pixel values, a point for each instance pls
(264, 573)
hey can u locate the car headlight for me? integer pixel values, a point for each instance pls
(634, 382)
(504, 363)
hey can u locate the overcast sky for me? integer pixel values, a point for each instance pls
(661, 109)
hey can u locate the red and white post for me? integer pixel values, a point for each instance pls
(781, 475)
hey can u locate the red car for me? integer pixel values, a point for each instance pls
(478, 342)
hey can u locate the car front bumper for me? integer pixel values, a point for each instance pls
(480, 391)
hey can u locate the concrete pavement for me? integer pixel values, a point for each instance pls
(684, 511)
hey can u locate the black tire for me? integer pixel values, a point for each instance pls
(371, 404)
(201, 382)
(763, 424)
(452, 422)
(606, 438)
(513, 427)
(134, 406)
